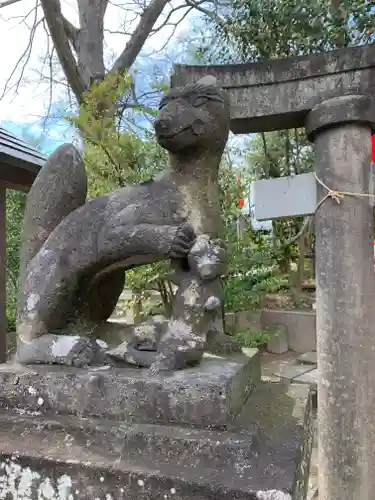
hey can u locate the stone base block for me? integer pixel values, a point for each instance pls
(265, 456)
(209, 395)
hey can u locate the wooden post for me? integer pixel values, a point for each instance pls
(345, 299)
(3, 273)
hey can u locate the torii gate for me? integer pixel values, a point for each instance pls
(333, 96)
(19, 165)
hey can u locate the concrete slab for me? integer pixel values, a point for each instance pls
(309, 358)
(283, 366)
(310, 377)
(293, 371)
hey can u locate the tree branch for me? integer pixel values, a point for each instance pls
(8, 2)
(71, 31)
(26, 54)
(139, 36)
(57, 29)
(213, 15)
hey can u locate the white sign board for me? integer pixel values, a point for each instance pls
(285, 197)
(256, 225)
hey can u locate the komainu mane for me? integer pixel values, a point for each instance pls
(75, 252)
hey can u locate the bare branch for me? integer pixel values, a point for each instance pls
(166, 20)
(57, 29)
(26, 54)
(50, 65)
(175, 25)
(8, 2)
(213, 15)
(23, 17)
(139, 36)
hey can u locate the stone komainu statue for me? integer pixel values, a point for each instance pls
(75, 252)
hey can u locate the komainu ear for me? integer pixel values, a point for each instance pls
(207, 80)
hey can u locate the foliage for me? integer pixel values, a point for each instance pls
(255, 30)
(15, 206)
(258, 340)
(253, 270)
(144, 279)
(248, 34)
(275, 154)
(114, 157)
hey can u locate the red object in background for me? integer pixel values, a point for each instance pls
(241, 201)
(373, 148)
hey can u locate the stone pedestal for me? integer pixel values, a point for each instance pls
(211, 432)
(345, 297)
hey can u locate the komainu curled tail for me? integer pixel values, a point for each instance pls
(60, 188)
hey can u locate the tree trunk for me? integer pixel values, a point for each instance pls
(90, 40)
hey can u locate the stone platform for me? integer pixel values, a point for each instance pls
(209, 395)
(220, 433)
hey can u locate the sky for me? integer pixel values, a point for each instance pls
(26, 106)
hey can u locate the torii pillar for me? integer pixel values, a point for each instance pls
(345, 298)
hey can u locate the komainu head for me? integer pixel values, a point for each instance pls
(194, 117)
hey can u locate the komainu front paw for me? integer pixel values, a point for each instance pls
(183, 242)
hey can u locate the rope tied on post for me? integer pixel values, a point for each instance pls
(337, 196)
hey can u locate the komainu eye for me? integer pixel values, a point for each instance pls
(200, 100)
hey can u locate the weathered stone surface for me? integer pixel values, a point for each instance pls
(208, 395)
(278, 343)
(310, 377)
(345, 290)
(75, 277)
(182, 446)
(309, 358)
(286, 368)
(341, 110)
(67, 456)
(277, 94)
(284, 413)
(64, 175)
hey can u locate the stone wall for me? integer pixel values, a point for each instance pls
(301, 325)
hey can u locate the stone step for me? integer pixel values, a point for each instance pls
(72, 458)
(210, 395)
(52, 464)
(184, 447)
